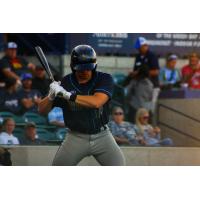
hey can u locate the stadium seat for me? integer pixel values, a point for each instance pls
(7, 115)
(118, 98)
(61, 133)
(119, 78)
(19, 133)
(19, 120)
(43, 134)
(34, 117)
(48, 127)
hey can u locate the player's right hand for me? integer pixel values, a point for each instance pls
(54, 87)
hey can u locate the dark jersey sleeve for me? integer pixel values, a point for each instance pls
(105, 84)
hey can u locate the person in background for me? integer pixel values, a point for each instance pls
(169, 76)
(40, 82)
(30, 98)
(191, 72)
(147, 57)
(7, 137)
(10, 98)
(139, 93)
(55, 117)
(122, 131)
(12, 65)
(31, 135)
(151, 135)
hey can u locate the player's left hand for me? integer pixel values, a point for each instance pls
(61, 92)
(53, 87)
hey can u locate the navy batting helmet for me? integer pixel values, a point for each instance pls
(83, 57)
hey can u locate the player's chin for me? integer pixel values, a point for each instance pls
(84, 77)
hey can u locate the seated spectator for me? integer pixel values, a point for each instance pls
(30, 98)
(139, 93)
(10, 98)
(151, 135)
(13, 66)
(31, 135)
(55, 117)
(191, 72)
(169, 76)
(122, 131)
(40, 82)
(6, 137)
(5, 157)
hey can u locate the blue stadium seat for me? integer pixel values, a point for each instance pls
(45, 135)
(61, 133)
(7, 115)
(34, 117)
(19, 133)
(119, 78)
(19, 120)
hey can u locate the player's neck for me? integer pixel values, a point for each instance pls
(82, 81)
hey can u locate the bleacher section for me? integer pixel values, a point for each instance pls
(45, 131)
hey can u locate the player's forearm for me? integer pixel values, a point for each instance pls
(90, 101)
(45, 106)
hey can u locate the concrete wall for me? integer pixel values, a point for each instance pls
(135, 156)
(189, 107)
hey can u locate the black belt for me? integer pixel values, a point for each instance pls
(103, 128)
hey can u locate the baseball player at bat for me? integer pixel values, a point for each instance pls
(85, 99)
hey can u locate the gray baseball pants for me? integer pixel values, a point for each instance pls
(102, 146)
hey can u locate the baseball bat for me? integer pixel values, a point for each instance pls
(43, 61)
(45, 64)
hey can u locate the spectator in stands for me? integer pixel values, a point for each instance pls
(147, 57)
(169, 76)
(31, 135)
(151, 135)
(10, 98)
(191, 72)
(139, 93)
(12, 66)
(6, 137)
(30, 98)
(122, 131)
(40, 82)
(55, 117)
